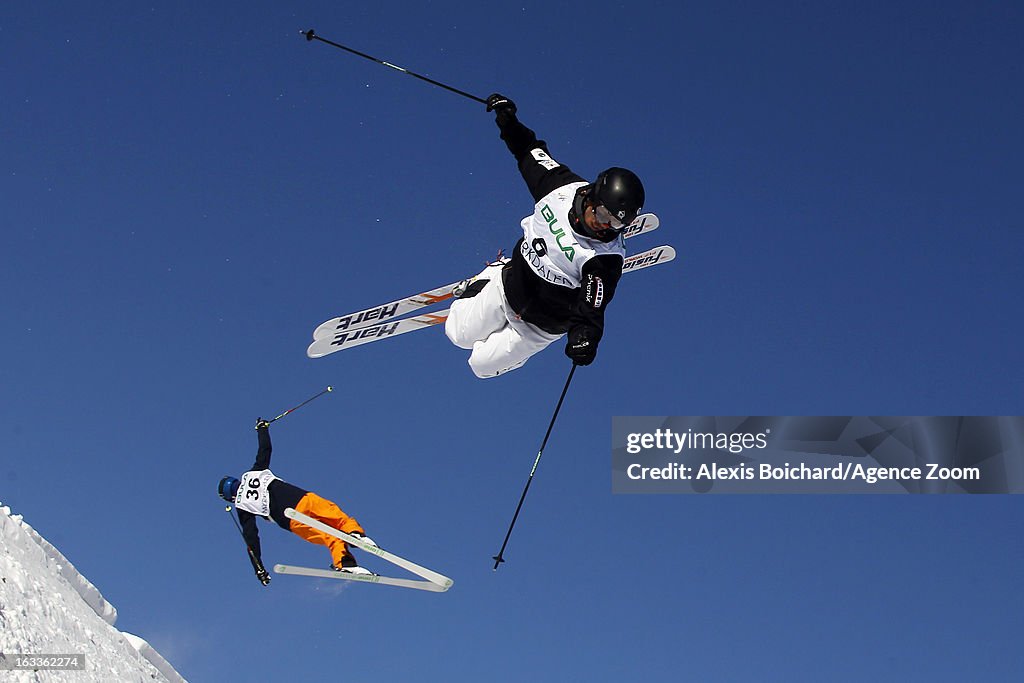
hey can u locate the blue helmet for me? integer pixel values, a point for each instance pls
(227, 488)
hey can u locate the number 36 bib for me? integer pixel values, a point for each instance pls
(253, 494)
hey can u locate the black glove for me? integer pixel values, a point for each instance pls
(581, 346)
(261, 423)
(504, 109)
(263, 576)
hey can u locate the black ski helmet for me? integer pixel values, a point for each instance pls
(227, 488)
(620, 191)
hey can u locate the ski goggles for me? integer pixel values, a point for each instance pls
(606, 217)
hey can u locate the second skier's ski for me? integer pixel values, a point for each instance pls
(435, 582)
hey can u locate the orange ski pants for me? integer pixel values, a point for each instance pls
(330, 514)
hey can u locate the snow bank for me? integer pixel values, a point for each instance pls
(47, 606)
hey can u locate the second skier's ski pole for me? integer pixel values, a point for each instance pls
(498, 559)
(292, 410)
(311, 35)
(261, 572)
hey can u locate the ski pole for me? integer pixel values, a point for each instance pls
(498, 559)
(311, 35)
(292, 410)
(252, 555)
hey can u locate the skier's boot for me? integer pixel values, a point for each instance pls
(350, 566)
(365, 539)
(467, 289)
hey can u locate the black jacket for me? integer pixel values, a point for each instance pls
(282, 496)
(553, 308)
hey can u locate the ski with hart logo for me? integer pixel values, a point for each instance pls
(644, 223)
(348, 337)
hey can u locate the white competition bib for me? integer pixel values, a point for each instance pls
(553, 251)
(253, 494)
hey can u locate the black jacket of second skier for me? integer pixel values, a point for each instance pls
(282, 496)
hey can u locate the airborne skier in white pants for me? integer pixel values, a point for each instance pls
(564, 270)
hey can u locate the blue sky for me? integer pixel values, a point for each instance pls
(187, 191)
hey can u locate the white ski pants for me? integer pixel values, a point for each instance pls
(486, 324)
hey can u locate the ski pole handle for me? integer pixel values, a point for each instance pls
(292, 410)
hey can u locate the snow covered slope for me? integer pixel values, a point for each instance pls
(46, 606)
